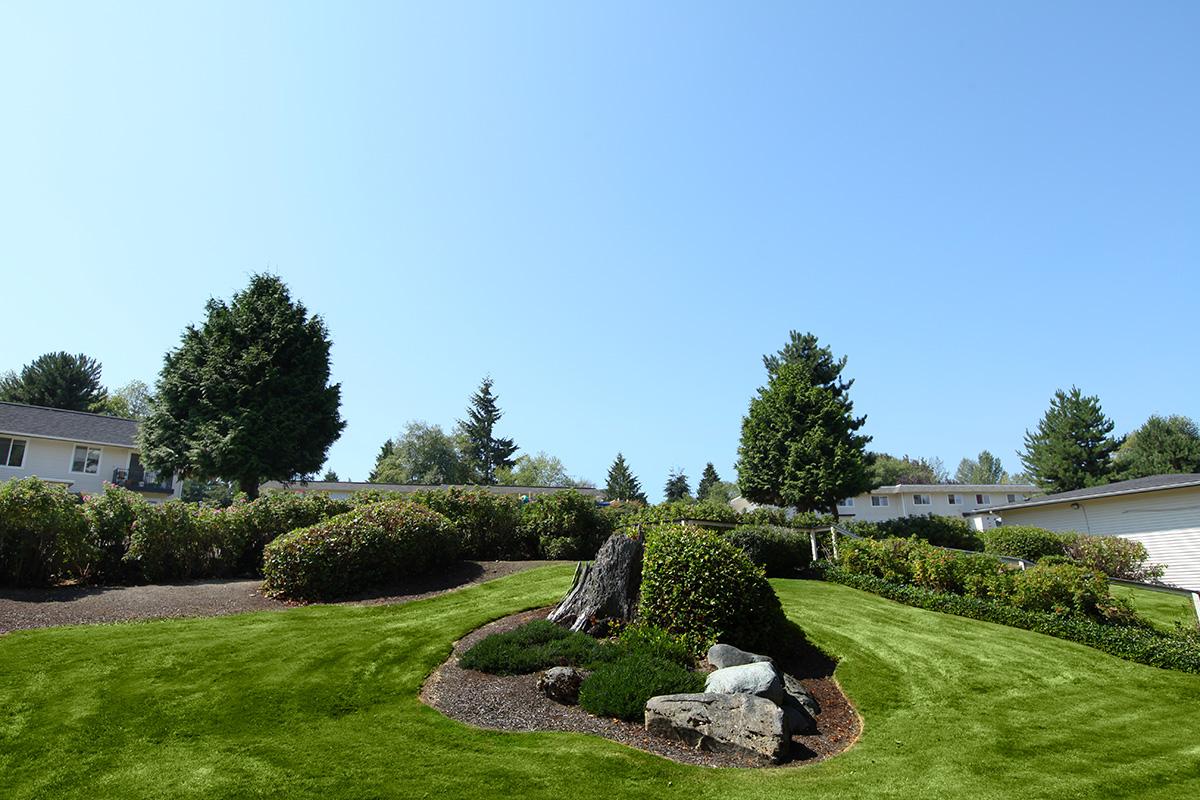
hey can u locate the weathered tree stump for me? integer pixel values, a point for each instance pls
(605, 590)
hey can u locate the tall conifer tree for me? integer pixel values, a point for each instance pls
(622, 483)
(485, 453)
(708, 479)
(1071, 448)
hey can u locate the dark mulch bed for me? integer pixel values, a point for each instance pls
(73, 605)
(513, 703)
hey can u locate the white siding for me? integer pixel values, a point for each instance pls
(51, 459)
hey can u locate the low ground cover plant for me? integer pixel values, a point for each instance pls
(534, 646)
(620, 687)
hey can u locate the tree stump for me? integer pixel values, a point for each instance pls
(605, 590)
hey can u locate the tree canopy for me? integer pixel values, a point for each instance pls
(485, 453)
(888, 470)
(246, 396)
(542, 469)
(984, 469)
(622, 483)
(800, 445)
(708, 479)
(1161, 446)
(56, 380)
(677, 487)
(422, 454)
(1071, 448)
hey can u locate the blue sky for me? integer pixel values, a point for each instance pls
(615, 210)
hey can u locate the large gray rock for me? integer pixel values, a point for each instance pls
(561, 684)
(795, 689)
(731, 723)
(760, 678)
(797, 721)
(726, 655)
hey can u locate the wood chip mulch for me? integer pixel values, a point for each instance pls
(513, 703)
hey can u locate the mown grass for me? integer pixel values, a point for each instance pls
(1159, 608)
(321, 702)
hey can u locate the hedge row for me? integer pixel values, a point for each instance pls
(1112, 555)
(942, 531)
(1145, 645)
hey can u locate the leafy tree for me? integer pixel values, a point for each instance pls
(1071, 447)
(246, 397)
(538, 470)
(485, 452)
(622, 483)
(800, 445)
(887, 470)
(131, 401)
(422, 454)
(677, 487)
(330, 476)
(721, 492)
(56, 380)
(213, 493)
(985, 469)
(708, 479)
(1162, 446)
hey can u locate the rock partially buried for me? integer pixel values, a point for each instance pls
(726, 655)
(561, 684)
(761, 679)
(731, 723)
(796, 719)
(795, 689)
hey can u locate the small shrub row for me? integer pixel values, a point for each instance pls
(781, 552)
(714, 511)
(932, 528)
(490, 523)
(1142, 644)
(565, 525)
(1112, 555)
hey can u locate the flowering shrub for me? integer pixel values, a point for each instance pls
(248, 527)
(110, 519)
(1114, 556)
(565, 524)
(490, 523)
(43, 533)
(175, 541)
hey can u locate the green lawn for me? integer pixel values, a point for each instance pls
(321, 702)
(1160, 608)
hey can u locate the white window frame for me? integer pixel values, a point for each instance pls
(880, 500)
(846, 502)
(88, 448)
(983, 499)
(955, 499)
(12, 441)
(922, 500)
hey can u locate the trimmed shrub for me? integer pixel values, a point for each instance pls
(369, 546)
(566, 525)
(651, 640)
(43, 533)
(698, 585)
(932, 528)
(490, 523)
(249, 527)
(110, 518)
(620, 688)
(174, 541)
(1114, 556)
(1024, 541)
(534, 646)
(781, 552)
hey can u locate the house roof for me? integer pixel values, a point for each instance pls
(1153, 483)
(956, 488)
(72, 426)
(406, 488)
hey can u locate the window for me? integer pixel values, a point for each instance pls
(878, 500)
(922, 500)
(983, 499)
(846, 503)
(955, 499)
(1012, 498)
(86, 459)
(12, 452)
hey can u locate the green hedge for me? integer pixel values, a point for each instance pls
(1024, 541)
(932, 528)
(359, 550)
(490, 523)
(565, 525)
(781, 552)
(43, 533)
(1145, 645)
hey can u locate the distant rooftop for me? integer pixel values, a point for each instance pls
(408, 488)
(73, 426)
(1153, 483)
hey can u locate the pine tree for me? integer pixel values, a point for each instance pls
(1162, 446)
(485, 453)
(385, 450)
(57, 380)
(622, 483)
(677, 487)
(1071, 447)
(708, 479)
(800, 446)
(331, 476)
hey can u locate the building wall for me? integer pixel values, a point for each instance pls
(903, 504)
(51, 459)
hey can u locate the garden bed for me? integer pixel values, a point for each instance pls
(514, 703)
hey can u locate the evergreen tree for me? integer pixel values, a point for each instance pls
(385, 450)
(246, 397)
(622, 483)
(708, 479)
(677, 487)
(330, 476)
(1071, 447)
(57, 380)
(985, 469)
(1162, 446)
(485, 453)
(800, 446)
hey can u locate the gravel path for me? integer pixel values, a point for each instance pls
(73, 605)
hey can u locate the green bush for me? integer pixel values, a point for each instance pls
(781, 552)
(175, 541)
(698, 585)
(1143, 644)
(932, 528)
(621, 687)
(110, 518)
(43, 533)
(651, 640)
(534, 646)
(249, 527)
(1024, 541)
(1114, 556)
(369, 546)
(490, 523)
(566, 525)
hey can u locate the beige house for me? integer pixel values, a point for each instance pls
(1162, 512)
(84, 452)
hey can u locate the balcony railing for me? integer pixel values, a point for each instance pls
(139, 480)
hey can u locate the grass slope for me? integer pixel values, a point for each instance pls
(320, 702)
(1159, 608)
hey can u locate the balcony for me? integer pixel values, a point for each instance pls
(139, 480)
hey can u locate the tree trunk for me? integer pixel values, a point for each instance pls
(249, 486)
(605, 590)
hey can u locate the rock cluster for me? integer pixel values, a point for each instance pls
(748, 706)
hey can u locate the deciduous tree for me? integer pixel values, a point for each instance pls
(982, 470)
(422, 454)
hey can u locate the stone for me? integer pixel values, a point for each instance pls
(723, 723)
(726, 655)
(561, 684)
(760, 678)
(606, 590)
(797, 721)
(796, 690)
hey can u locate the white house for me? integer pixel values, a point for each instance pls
(341, 490)
(1162, 512)
(914, 499)
(78, 450)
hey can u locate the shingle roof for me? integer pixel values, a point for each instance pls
(75, 426)
(1152, 483)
